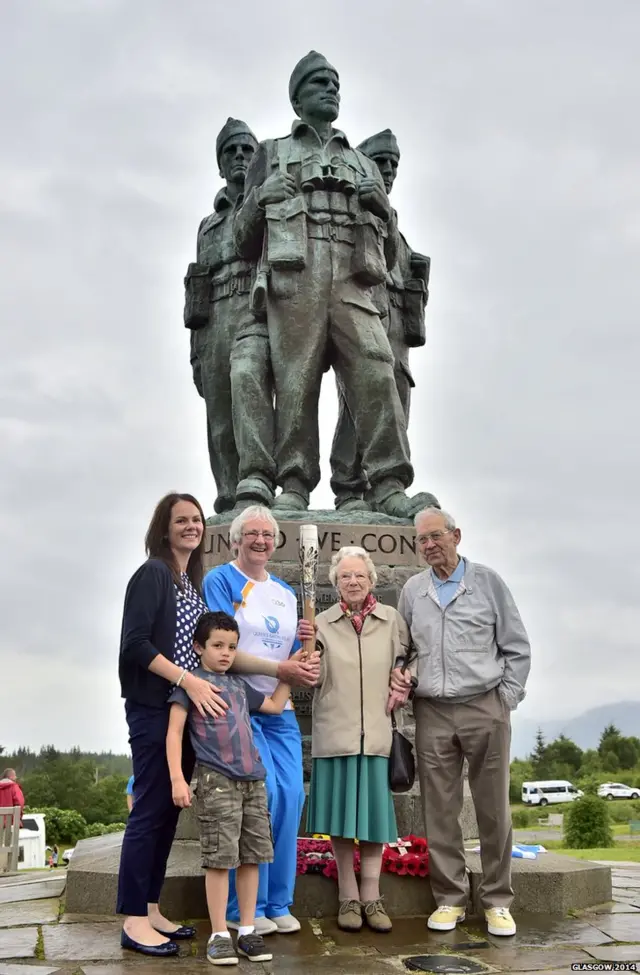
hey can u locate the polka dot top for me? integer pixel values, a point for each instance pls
(190, 609)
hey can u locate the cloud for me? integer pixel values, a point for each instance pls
(518, 176)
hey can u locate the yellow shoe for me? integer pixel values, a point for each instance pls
(499, 921)
(445, 918)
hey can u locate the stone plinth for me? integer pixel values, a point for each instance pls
(408, 816)
(551, 884)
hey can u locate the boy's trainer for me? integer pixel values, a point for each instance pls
(252, 946)
(220, 951)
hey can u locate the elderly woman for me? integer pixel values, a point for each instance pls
(265, 609)
(349, 796)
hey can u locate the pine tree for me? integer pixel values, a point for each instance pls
(539, 754)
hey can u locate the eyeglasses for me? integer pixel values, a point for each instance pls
(253, 535)
(433, 536)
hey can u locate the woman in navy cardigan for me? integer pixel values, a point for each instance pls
(162, 605)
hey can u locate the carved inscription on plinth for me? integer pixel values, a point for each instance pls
(386, 544)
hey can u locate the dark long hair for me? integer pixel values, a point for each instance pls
(156, 540)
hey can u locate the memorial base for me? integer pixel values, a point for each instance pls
(551, 884)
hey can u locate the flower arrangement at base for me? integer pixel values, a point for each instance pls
(409, 857)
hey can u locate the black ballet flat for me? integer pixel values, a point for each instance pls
(183, 933)
(166, 950)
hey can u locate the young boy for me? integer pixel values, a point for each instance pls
(231, 798)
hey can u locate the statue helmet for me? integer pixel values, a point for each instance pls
(233, 127)
(307, 65)
(382, 143)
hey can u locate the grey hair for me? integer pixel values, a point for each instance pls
(352, 552)
(248, 514)
(449, 520)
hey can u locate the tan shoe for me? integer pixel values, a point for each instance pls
(500, 922)
(350, 915)
(376, 916)
(445, 918)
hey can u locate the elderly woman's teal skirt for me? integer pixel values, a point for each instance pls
(350, 797)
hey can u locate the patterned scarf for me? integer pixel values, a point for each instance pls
(358, 617)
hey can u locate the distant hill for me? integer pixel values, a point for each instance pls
(585, 729)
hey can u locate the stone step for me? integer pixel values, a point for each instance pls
(408, 816)
(551, 884)
(29, 887)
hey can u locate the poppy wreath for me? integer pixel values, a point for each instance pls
(407, 858)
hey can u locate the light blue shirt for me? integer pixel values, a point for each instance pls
(130, 786)
(447, 588)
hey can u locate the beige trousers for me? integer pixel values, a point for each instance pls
(446, 733)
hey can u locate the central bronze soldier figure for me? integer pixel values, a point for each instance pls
(316, 217)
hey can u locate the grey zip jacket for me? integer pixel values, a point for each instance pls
(474, 644)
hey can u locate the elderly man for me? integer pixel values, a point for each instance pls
(473, 664)
(218, 291)
(316, 215)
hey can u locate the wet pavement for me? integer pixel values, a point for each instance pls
(37, 938)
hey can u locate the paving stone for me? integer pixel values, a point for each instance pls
(623, 896)
(28, 912)
(18, 942)
(511, 958)
(406, 931)
(27, 969)
(334, 965)
(86, 918)
(615, 907)
(82, 942)
(33, 887)
(281, 965)
(616, 953)
(139, 965)
(621, 927)
(408, 936)
(544, 930)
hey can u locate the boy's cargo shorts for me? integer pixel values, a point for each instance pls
(234, 821)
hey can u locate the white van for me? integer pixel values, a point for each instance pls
(551, 790)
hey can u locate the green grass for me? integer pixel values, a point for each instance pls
(628, 851)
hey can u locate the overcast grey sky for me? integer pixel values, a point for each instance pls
(520, 176)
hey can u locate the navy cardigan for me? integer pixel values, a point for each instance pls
(148, 628)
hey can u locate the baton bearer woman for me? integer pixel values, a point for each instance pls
(265, 609)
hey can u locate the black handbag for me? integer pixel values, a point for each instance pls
(402, 764)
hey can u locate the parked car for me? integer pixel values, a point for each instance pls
(551, 790)
(617, 790)
(66, 856)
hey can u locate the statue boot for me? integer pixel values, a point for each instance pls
(294, 496)
(389, 498)
(351, 502)
(223, 503)
(253, 490)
